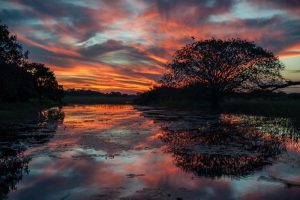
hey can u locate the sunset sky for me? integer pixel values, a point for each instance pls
(122, 45)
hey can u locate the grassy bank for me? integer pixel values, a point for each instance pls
(267, 107)
(275, 107)
(29, 110)
(71, 100)
(22, 110)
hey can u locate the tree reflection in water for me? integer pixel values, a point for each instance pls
(228, 145)
(16, 138)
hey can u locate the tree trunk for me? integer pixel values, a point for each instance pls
(215, 101)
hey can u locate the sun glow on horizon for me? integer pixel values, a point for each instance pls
(124, 45)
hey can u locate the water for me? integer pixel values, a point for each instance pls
(127, 152)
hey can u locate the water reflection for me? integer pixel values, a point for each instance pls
(115, 152)
(221, 149)
(223, 144)
(16, 138)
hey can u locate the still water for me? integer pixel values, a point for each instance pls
(127, 152)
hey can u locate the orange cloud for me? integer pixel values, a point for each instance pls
(48, 48)
(121, 45)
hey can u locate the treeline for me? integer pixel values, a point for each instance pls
(83, 92)
(20, 79)
(214, 69)
(197, 94)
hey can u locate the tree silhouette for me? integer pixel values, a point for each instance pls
(223, 66)
(44, 81)
(13, 161)
(15, 83)
(21, 80)
(10, 50)
(222, 150)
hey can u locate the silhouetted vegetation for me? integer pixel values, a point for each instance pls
(213, 69)
(83, 92)
(81, 96)
(44, 81)
(16, 138)
(221, 150)
(21, 80)
(199, 95)
(166, 95)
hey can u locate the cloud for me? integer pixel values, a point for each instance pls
(294, 71)
(106, 47)
(291, 6)
(124, 45)
(192, 10)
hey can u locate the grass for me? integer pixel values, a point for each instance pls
(183, 104)
(96, 100)
(273, 107)
(17, 111)
(267, 107)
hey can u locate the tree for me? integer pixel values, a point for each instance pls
(224, 66)
(15, 83)
(45, 82)
(11, 52)
(21, 80)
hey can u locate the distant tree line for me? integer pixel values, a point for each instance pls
(214, 69)
(20, 79)
(84, 92)
(165, 95)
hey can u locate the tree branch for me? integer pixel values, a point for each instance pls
(279, 86)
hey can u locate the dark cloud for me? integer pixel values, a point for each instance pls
(292, 6)
(12, 17)
(133, 73)
(129, 54)
(140, 35)
(99, 49)
(167, 7)
(156, 50)
(262, 22)
(79, 20)
(274, 33)
(192, 12)
(288, 32)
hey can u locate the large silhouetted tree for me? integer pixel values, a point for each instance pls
(223, 66)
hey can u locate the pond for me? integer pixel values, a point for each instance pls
(131, 152)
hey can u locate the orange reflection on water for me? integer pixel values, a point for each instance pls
(116, 151)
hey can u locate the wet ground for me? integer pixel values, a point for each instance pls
(126, 152)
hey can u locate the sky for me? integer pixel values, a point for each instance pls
(123, 45)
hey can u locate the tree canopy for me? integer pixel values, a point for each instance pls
(11, 51)
(223, 66)
(20, 79)
(44, 81)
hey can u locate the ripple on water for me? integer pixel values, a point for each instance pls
(121, 151)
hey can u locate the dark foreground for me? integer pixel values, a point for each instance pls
(127, 152)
